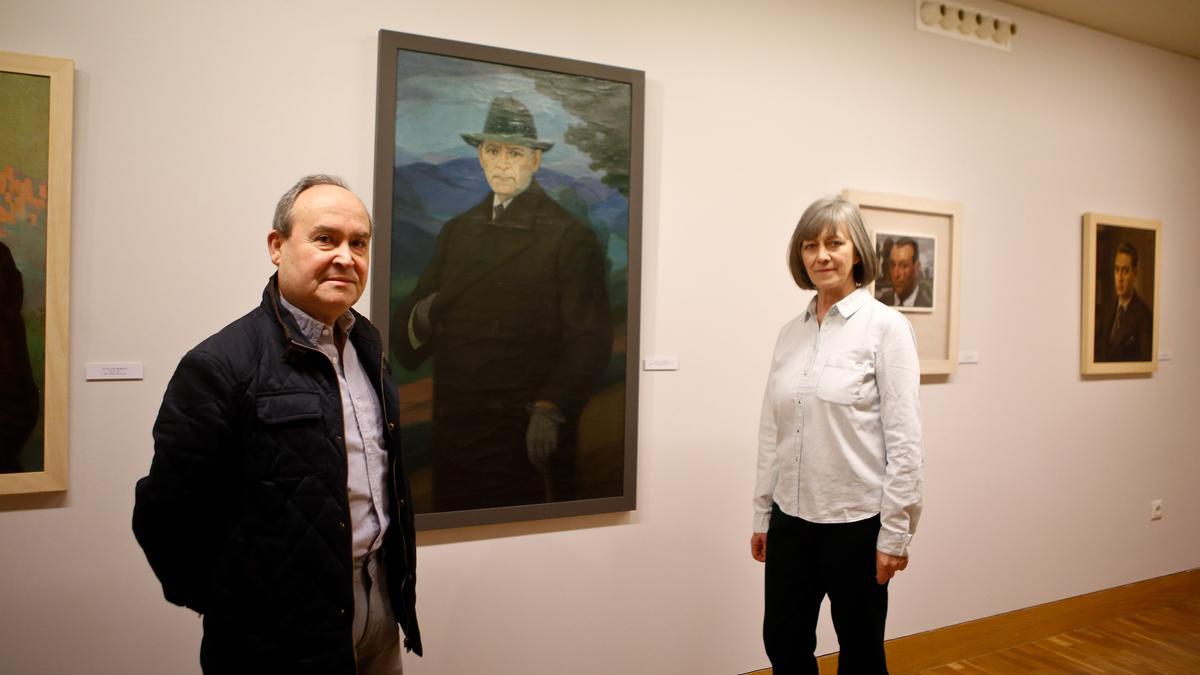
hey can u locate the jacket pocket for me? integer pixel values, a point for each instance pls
(841, 381)
(290, 406)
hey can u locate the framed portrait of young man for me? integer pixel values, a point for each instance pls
(1119, 307)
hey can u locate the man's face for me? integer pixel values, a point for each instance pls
(323, 263)
(1124, 276)
(904, 270)
(508, 168)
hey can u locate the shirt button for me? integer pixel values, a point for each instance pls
(341, 524)
(391, 426)
(400, 503)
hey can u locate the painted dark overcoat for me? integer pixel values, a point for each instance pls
(521, 315)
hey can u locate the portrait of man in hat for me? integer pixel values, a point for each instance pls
(513, 310)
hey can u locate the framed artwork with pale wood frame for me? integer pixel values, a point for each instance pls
(926, 222)
(36, 95)
(1119, 309)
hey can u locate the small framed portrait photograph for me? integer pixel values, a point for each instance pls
(1120, 295)
(907, 270)
(507, 259)
(919, 242)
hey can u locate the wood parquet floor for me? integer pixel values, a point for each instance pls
(1160, 640)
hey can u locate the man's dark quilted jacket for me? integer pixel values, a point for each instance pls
(244, 516)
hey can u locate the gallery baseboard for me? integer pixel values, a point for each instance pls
(1001, 631)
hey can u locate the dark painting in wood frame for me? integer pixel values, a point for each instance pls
(36, 104)
(1119, 308)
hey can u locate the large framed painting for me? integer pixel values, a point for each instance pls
(35, 226)
(919, 242)
(508, 194)
(1120, 295)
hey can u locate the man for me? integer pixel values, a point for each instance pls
(1124, 324)
(277, 504)
(514, 309)
(904, 271)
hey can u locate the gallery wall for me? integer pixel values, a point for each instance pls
(192, 118)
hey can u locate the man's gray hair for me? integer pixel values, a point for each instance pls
(824, 215)
(283, 210)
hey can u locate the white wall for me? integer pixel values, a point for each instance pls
(191, 119)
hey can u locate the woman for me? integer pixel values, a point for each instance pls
(839, 452)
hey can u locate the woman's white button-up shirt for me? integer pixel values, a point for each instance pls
(840, 437)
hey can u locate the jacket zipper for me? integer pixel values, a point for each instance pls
(345, 454)
(395, 488)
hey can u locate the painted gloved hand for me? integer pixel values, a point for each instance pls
(422, 324)
(541, 438)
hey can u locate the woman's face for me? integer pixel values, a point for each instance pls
(829, 261)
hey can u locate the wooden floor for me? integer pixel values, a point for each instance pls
(1160, 640)
(1151, 626)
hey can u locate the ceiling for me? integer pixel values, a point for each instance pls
(1173, 25)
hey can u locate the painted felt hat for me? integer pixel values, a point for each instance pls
(508, 121)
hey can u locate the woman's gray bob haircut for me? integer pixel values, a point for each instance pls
(283, 210)
(822, 216)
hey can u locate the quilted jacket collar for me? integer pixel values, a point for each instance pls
(362, 334)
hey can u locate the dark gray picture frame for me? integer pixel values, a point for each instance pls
(433, 95)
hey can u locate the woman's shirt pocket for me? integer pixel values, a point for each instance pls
(841, 381)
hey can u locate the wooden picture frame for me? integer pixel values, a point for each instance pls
(1119, 305)
(449, 269)
(36, 102)
(941, 221)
